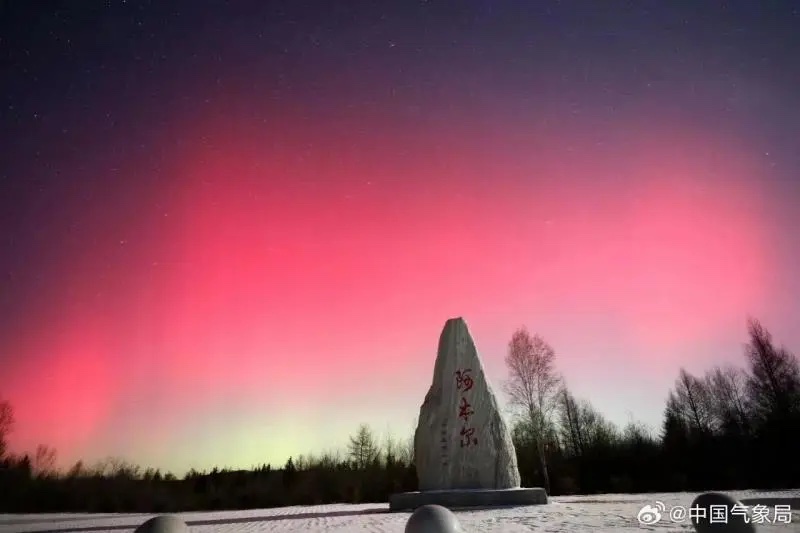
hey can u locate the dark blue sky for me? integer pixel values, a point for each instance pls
(185, 179)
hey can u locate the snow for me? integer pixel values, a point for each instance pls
(565, 514)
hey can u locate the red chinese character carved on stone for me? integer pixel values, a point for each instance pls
(467, 437)
(465, 410)
(464, 380)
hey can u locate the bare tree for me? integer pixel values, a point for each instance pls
(692, 402)
(637, 433)
(149, 474)
(727, 388)
(6, 425)
(363, 448)
(329, 460)
(390, 450)
(774, 383)
(304, 462)
(599, 431)
(572, 435)
(405, 448)
(581, 426)
(116, 467)
(533, 386)
(77, 470)
(44, 461)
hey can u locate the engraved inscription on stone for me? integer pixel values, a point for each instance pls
(478, 452)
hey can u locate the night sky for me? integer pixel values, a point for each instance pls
(232, 231)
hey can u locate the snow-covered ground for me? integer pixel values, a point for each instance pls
(566, 514)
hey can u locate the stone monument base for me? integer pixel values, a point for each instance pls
(407, 501)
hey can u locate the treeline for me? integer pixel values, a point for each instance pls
(367, 472)
(732, 428)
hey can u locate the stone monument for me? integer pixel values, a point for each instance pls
(463, 451)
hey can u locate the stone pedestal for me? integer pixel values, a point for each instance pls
(454, 499)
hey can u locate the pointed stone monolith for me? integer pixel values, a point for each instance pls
(463, 451)
(462, 441)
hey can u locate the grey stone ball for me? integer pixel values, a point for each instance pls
(163, 524)
(734, 523)
(433, 519)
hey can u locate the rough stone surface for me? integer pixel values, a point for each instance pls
(463, 498)
(462, 441)
(433, 519)
(163, 524)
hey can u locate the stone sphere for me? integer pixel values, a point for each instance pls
(723, 521)
(163, 524)
(433, 519)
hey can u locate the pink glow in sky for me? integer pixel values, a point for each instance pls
(282, 294)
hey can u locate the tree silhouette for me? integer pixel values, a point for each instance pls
(773, 394)
(581, 426)
(77, 470)
(728, 390)
(533, 387)
(44, 461)
(691, 401)
(731, 428)
(6, 425)
(289, 474)
(363, 447)
(572, 431)
(774, 381)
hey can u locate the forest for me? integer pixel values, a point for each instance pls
(736, 427)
